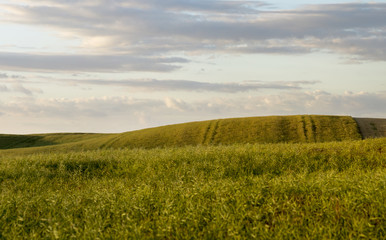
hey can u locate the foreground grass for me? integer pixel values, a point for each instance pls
(283, 191)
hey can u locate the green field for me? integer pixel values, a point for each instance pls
(295, 177)
(285, 191)
(274, 129)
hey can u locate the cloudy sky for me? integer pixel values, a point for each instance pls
(115, 65)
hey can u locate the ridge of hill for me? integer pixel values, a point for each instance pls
(272, 129)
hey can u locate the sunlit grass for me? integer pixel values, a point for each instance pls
(331, 190)
(274, 129)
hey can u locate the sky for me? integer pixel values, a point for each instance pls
(115, 66)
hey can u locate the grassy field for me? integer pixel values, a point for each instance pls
(287, 177)
(334, 190)
(274, 129)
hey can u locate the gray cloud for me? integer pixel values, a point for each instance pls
(22, 89)
(3, 88)
(6, 76)
(98, 63)
(79, 107)
(145, 28)
(19, 88)
(370, 48)
(17, 84)
(209, 6)
(195, 86)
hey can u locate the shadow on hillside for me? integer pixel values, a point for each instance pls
(23, 141)
(371, 127)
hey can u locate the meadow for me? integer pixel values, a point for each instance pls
(272, 129)
(329, 190)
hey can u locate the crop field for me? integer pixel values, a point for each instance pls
(274, 129)
(330, 190)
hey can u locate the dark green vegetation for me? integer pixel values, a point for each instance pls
(372, 127)
(275, 129)
(334, 190)
(38, 140)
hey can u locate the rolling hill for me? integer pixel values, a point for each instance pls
(272, 129)
(8, 141)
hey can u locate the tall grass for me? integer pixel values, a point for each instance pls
(284, 191)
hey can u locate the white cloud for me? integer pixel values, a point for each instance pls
(176, 104)
(120, 114)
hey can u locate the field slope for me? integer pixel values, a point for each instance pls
(273, 129)
(8, 141)
(372, 127)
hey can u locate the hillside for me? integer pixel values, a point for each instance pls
(8, 141)
(371, 127)
(273, 129)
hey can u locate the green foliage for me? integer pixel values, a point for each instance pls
(275, 129)
(334, 190)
